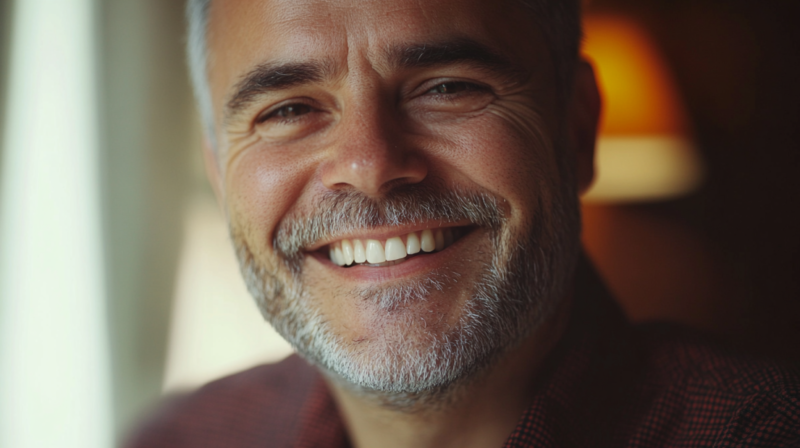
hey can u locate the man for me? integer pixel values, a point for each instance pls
(401, 181)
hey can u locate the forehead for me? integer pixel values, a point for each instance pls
(245, 33)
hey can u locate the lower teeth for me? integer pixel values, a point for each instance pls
(379, 265)
(384, 264)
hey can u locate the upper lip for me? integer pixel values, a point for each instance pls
(386, 232)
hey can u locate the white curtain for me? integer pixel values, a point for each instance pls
(55, 379)
(95, 169)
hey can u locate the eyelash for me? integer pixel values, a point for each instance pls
(275, 113)
(459, 87)
(467, 87)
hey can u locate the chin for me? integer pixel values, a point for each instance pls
(374, 336)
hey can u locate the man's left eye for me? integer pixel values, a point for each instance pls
(452, 87)
(287, 113)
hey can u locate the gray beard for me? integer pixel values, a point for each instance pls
(518, 288)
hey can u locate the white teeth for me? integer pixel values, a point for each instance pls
(338, 257)
(439, 240)
(359, 253)
(412, 243)
(375, 252)
(347, 252)
(427, 243)
(395, 249)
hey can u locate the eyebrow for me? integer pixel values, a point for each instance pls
(461, 50)
(270, 77)
(275, 76)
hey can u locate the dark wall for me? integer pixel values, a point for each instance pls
(737, 63)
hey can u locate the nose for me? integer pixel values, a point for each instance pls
(372, 155)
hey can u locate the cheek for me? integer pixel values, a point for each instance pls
(261, 189)
(505, 151)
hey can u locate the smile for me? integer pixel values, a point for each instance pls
(379, 253)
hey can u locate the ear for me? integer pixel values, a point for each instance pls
(213, 171)
(584, 115)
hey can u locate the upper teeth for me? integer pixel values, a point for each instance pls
(347, 252)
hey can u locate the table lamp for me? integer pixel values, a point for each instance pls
(644, 151)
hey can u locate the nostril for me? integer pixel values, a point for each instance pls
(373, 167)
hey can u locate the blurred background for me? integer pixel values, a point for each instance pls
(117, 282)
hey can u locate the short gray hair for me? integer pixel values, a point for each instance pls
(197, 12)
(559, 21)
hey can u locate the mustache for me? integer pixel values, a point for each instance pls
(349, 211)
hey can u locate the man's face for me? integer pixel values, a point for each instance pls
(421, 131)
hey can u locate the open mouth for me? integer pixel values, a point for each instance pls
(394, 250)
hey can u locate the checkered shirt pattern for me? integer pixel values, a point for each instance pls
(281, 405)
(610, 384)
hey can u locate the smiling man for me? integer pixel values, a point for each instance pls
(401, 180)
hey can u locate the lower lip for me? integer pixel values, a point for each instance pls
(416, 265)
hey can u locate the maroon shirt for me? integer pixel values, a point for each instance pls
(607, 383)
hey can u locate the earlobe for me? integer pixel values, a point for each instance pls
(584, 116)
(213, 173)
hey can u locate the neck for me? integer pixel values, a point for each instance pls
(481, 412)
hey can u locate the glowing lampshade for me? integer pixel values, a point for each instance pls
(644, 151)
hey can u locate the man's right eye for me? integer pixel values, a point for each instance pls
(287, 113)
(455, 87)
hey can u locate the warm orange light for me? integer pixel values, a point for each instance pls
(638, 93)
(644, 151)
